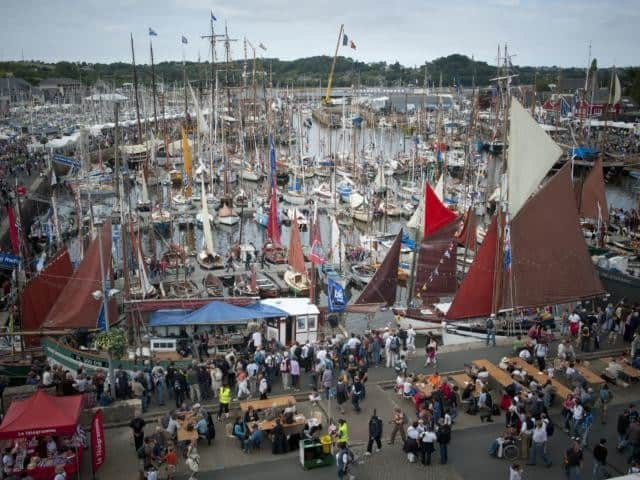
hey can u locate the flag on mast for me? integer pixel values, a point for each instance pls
(345, 40)
(213, 17)
(352, 44)
(152, 32)
(184, 40)
(261, 45)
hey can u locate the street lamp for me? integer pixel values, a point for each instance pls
(105, 295)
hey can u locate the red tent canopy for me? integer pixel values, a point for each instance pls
(41, 414)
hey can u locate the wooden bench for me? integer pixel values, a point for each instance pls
(541, 377)
(462, 380)
(495, 372)
(271, 402)
(588, 375)
(627, 369)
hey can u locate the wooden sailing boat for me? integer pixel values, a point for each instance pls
(539, 259)
(381, 290)
(213, 285)
(334, 268)
(144, 204)
(296, 278)
(207, 258)
(273, 251)
(140, 288)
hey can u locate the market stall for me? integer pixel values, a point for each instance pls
(42, 432)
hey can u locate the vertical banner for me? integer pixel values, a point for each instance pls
(13, 231)
(98, 450)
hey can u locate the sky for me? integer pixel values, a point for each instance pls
(538, 32)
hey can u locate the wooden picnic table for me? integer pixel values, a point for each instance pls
(268, 425)
(462, 379)
(425, 389)
(183, 432)
(588, 375)
(627, 369)
(272, 402)
(495, 372)
(541, 377)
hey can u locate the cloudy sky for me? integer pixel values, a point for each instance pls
(538, 32)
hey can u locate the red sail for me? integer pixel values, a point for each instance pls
(13, 231)
(467, 236)
(475, 295)
(76, 307)
(273, 231)
(383, 285)
(296, 257)
(41, 293)
(436, 267)
(436, 215)
(593, 202)
(550, 263)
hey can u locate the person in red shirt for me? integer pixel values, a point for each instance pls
(171, 460)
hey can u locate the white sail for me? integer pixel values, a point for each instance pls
(145, 191)
(531, 154)
(206, 226)
(145, 286)
(380, 181)
(337, 253)
(202, 123)
(417, 219)
(439, 190)
(617, 90)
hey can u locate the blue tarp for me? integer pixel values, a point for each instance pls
(583, 152)
(215, 313)
(164, 318)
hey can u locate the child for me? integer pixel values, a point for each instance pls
(171, 459)
(151, 473)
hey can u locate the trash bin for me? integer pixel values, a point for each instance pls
(325, 440)
(312, 454)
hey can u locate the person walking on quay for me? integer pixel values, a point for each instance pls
(604, 396)
(515, 472)
(600, 453)
(398, 421)
(375, 433)
(539, 439)
(224, 398)
(229, 264)
(573, 460)
(137, 425)
(444, 438)
(343, 431)
(491, 330)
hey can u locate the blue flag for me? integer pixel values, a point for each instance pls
(345, 40)
(102, 321)
(337, 297)
(213, 17)
(152, 32)
(184, 40)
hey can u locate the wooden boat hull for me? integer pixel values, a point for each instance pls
(213, 286)
(207, 262)
(229, 220)
(298, 284)
(620, 285)
(275, 255)
(294, 199)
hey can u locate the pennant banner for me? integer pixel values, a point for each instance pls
(98, 446)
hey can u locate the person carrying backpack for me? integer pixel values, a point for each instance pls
(344, 460)
(375, 433)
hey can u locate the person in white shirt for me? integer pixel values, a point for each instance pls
(411, 340)
(47, 377)
(353, 342)
(256, 338)
(428, 445)
(525, 355)
(538, 443)
(412, 432)
(321, 355)
(515, 472)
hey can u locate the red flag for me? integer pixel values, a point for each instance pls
(13, 231)
(98, 447)
(352, 44)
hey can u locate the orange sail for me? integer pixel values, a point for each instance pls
(296, 257)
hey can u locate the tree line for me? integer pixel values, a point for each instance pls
(311, 72)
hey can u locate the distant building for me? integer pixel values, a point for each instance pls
(14, 89)
(68, 89)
